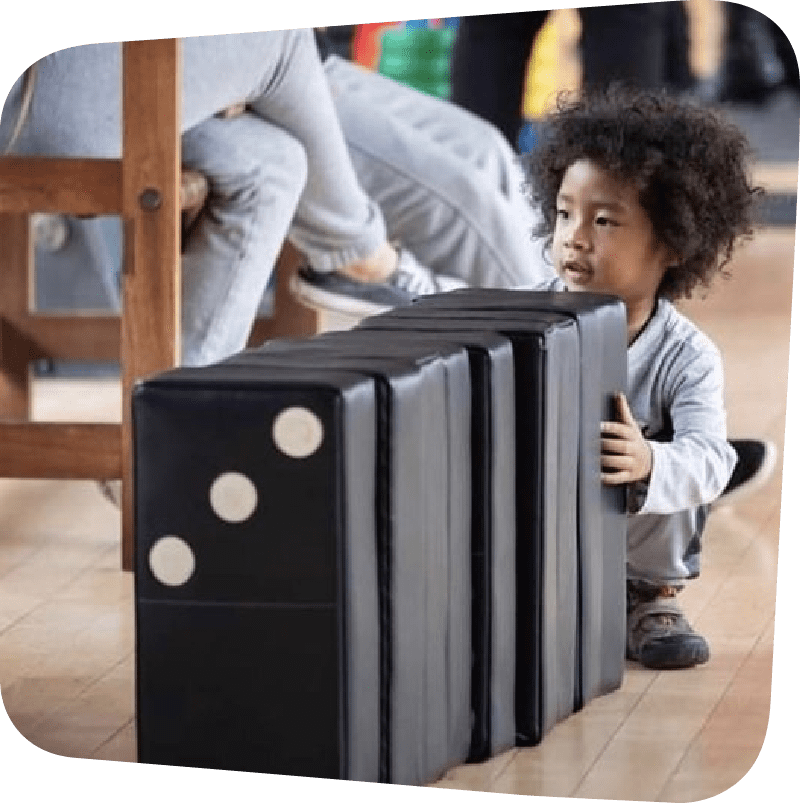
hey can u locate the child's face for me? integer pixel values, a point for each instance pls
(604, 240)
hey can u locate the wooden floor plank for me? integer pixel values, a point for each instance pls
(121, 746)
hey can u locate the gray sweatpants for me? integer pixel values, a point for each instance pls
(341, 159)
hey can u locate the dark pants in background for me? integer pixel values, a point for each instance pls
(645, 43)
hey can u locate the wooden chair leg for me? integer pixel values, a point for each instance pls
(143, 187)
(15, 388)
(151, 210)
(15, 351)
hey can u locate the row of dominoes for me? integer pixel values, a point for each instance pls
(378, 553)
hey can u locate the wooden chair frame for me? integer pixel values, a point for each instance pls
(143, 189)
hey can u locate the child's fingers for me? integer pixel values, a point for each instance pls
(624, 410)
(615, 429)
(615, 477)
(616, 462)
(615, 446)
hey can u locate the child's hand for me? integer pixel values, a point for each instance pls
(625, 454)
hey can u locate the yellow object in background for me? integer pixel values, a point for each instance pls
(555, 61)
(553, 65)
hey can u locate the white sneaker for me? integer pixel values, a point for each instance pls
(335, 292)
(419, 280)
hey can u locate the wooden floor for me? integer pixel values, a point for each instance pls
(66, 631)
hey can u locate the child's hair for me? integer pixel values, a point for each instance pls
(688, 163)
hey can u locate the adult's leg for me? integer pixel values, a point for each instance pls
(448, 183)
(338, 223)
(678, 74)
(76, 112)
(489, 63)
(256, 174)
(625, 42)
(76, 108)
(753, 58)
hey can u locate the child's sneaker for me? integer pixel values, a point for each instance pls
(335, 292)
(659, 636)
(755, 463)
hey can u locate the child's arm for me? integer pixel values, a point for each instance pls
(691, 468)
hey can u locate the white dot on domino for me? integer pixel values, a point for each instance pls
(233, 497)
(171, 561)
(297, 432)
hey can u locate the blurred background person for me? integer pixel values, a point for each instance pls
(757, 59)
(644, 43)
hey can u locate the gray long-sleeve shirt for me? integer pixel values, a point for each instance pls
(675, 393)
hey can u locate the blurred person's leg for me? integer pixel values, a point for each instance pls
(786, 54)
(448, 183)
(256, 172)
(336, 223)
(489, 62)
(624, 43)
(76, 112)
(678, 74)
(756, 58)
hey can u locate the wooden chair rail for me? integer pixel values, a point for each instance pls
(73, 337)
(70, 186)
(60, 451)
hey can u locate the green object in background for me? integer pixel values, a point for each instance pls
(419, 57)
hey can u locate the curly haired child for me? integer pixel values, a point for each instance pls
(645, 196)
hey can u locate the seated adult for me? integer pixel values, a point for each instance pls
(286, 160)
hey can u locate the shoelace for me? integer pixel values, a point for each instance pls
(659, 621)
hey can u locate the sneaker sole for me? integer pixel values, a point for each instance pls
(317, 299)
(756, 482)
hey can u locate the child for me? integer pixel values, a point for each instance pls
(645, 197)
